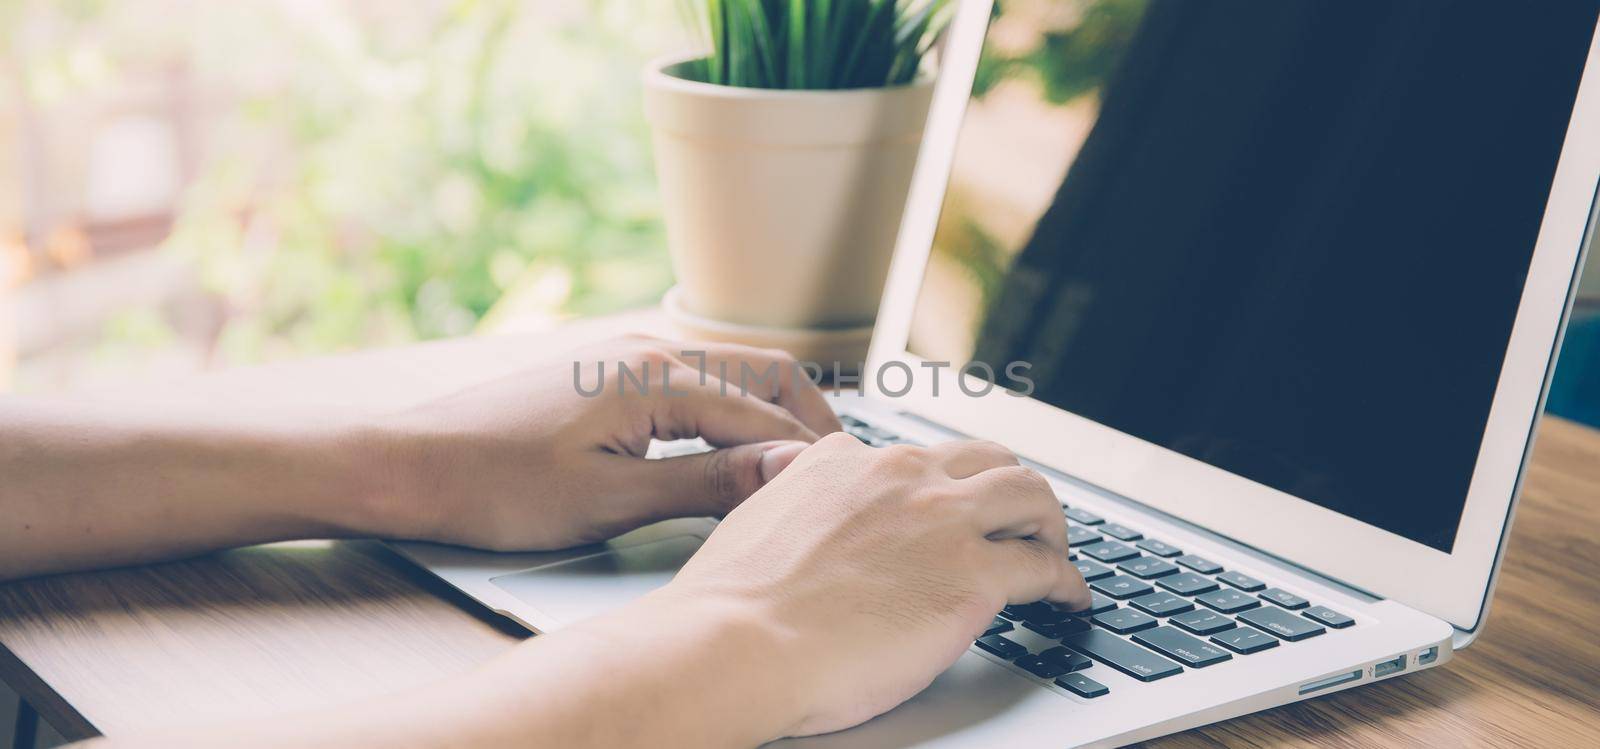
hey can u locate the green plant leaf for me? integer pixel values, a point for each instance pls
(815, 44)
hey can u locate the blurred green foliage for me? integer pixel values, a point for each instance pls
(1070, 60)
(380, 172)
(498, 150)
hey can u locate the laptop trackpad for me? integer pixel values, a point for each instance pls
(579, 588)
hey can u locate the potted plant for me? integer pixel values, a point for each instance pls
(784, 152)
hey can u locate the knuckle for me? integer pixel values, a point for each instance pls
(779, 355)
(902, 455)
(657, 359)
(717, 478)
(901, 460)
(741, 352)
(996, 449)
(726, 478)
(1026, 479)
(839, 441)
(984, 446)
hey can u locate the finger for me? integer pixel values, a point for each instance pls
(769, 374)
(710, 483)
(1018, 502)
(722, 419)
(970, 457)
(1031, 570)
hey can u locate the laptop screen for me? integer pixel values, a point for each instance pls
(1287, 239)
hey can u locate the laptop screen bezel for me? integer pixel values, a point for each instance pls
(1452, 586)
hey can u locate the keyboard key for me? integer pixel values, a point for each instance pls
(1162, 604)
(999, 625)
(1058, 630)
(1284, 598)
(1019, 611)
(1083, 516)
(867, 439)
(1181, 647)
(1082, 686)
(1148, 567)
(1325, 615)
(1122, 655)
(851, 422)
(1097, 604)
(1282, 623)
(1120, 532)
(1187, 584)
(1199, 564)
(1038, 666)
(1245, 640)
(1123, 621)
(1044, 628)
(1068, 660)
(1228, 601)
(1002, 647)
(1121, 586)
(1160, 548)
(1045, 614)
(1078, 535)
(1108, 551)
(1092, 570)
(877, 434)
(1242, 581)
(1202, 622)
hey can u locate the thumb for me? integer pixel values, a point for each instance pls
(715, 482)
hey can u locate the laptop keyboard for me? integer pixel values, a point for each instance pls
(1156, 611)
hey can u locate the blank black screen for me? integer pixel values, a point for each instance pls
(1293, 243)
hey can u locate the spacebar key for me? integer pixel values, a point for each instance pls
(1122, 655)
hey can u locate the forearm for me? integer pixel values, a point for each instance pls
(84, 490)
(661, 672)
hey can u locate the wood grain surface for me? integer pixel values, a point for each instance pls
(283, 627)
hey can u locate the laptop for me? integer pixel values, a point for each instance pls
(1271, 293)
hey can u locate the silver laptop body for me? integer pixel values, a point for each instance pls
(1413, 593)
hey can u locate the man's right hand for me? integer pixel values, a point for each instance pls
(878, 567)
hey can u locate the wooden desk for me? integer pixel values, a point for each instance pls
(289, 626)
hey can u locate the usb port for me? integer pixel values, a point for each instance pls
(1392, 666)
(1428, 656)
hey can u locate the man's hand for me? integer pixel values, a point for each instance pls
(524, 463)
(834, 593)
(531, 462)
(881, 566)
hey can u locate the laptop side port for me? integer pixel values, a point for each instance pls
(1428, 656)
(1329, 682)
(1392, 666)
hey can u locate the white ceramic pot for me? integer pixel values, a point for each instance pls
(781, 206)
